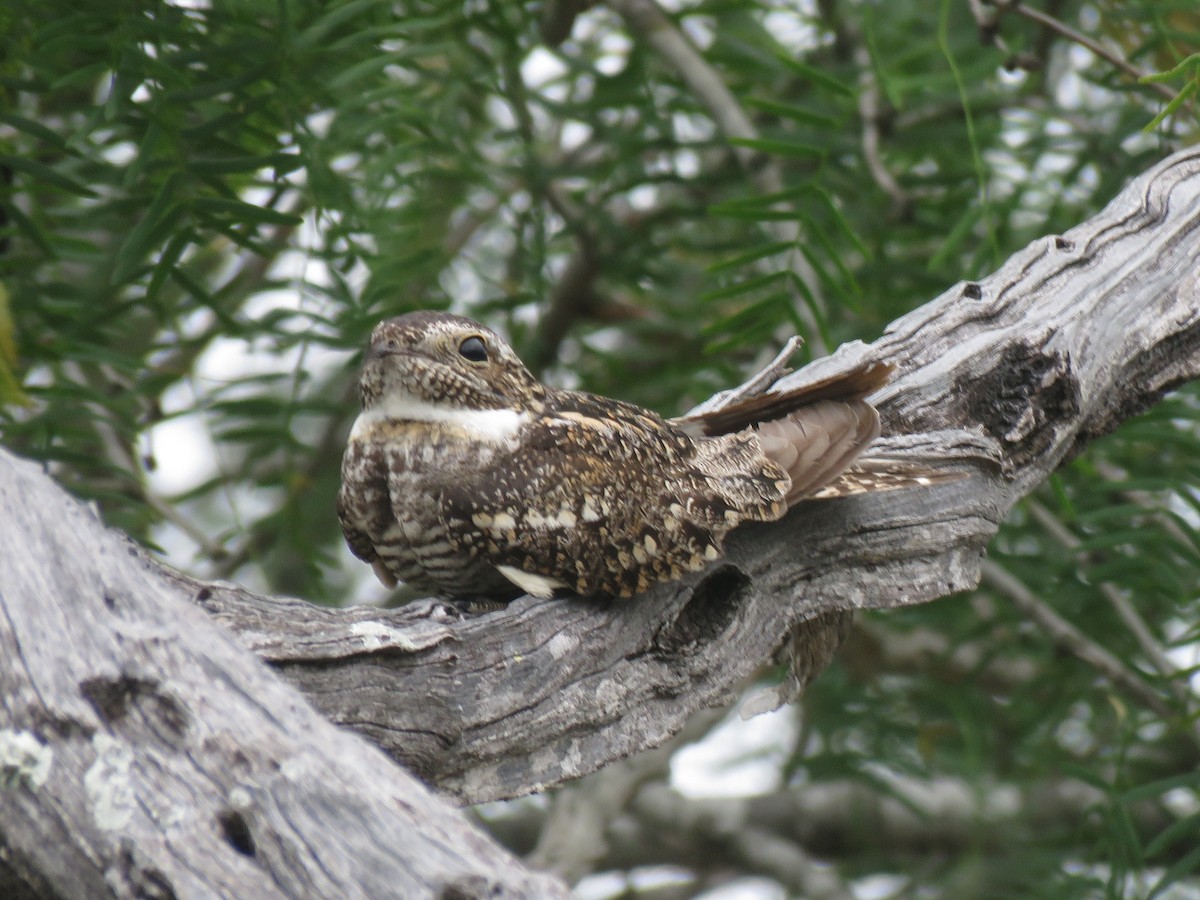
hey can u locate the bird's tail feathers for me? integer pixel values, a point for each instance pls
(817, 443)
(845, 386)
(870, 475)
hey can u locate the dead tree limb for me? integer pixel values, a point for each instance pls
(777, 835)
(1006, 378)
(145, 753)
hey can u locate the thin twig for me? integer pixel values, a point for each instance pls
(650, 24)
(1071, 639)
(1146, 502)
(870, 111)
(1137, 626)
(1066, 31)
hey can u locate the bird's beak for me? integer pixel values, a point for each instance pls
(380, 349)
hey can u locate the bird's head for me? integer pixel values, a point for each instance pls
(443, 361)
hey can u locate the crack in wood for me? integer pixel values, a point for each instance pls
(1020, 401)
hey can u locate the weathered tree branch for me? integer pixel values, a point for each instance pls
(144, 753)
(777, 834)
(1013, 374)
(1004, 378)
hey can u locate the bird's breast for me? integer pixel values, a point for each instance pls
(394, 414)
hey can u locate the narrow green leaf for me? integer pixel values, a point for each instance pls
(368, 67)
(817, 76)
(840, 219)
(47, 174)
(1179, 831)
(1186, 865)
(790, 149)
(316, 33)
(219, 86)
(763, 201)
(165, 264)
(30, 229)
(275, 438)
(1188, 62)
(234, 164)
(755, 213)
(744, 287)
(794, 113)
(956, 237)
(243, 212)
(83, 76)
(1160, 786)
(148, 233)
(750, 256)
(37, 130)
(10, 383)
(1173, 104)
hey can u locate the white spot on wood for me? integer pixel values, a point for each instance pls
(609, 697)
(107, 784)
(294, 769)
(376, 636)
(24, 760)
(561, 645)
(572, 761)
(240, 799)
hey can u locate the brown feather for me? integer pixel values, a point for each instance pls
(466, 477)
(853, 385)
(816, 443)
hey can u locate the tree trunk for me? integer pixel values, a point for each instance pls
(143, 751)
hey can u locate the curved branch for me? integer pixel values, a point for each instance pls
(846, 820)
(1112, 57)
(1006, 378)
(144, 753)
(648, 22)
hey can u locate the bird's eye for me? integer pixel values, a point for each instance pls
(473, 349)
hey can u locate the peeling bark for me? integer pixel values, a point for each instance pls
(150, 752)
(145, 753)
(1004, 378)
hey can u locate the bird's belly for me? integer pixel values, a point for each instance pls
(416, 544)
(417, 549)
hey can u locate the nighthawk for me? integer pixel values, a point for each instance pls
(466, 477)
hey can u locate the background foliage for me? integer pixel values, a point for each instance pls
(206, 207)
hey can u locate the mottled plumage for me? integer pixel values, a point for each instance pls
(465, 476)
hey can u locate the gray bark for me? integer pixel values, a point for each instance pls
(145, 753)
(1004, 378)
(781, 835)
(141, 749)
